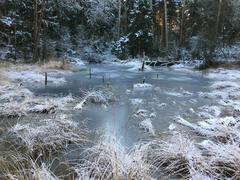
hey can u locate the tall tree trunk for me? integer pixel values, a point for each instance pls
(36, 32)
(182, 23)
(218, 18)
(38, 17)
(15, 41)
(43, 31)
(166, 24)
(15, 31)
(119, 17)
(125, 19)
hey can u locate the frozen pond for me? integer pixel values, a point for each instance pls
(172, 93)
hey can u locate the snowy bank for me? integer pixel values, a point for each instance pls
(48, 134)
(34, 75)
(18, 101)
(103, 97)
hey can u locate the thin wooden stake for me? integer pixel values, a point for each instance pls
(103, 78)
(46, 79)
(90, 73)
(144, 80)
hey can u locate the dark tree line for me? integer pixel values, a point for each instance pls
(151, 27)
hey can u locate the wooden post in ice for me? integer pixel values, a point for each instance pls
(143, 61)
(103, 78)
(144, 80)
(46, 79)
(90, 73)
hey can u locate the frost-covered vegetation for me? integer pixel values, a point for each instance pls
(81, 96)
(19, 101)
(110, 160)
(48, 135)
(103, 97)
(16, 98)
(16, 166)
(207, 148)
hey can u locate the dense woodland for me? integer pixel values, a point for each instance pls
(34, 29)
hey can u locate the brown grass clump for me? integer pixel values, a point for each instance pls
(109, 160)
(14, 166)
(48, 136)
(58, 64)
(3, 78)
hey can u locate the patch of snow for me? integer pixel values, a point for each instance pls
(102, 97)
(135, 65)
(172, 127)
(8, 21)
(76, 61)
(147, 126)
(142, 86)
(136, 101)
(162, 105)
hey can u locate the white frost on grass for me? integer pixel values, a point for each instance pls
(179, 93)
(34, 78)
(142, 86)
(225, 84)
(49, 105)
(209, 112)
(102, 97)
(11, 92)
(16, 166)
(110, 160)
(218, 128)
(223, 90)
(43, 173)
(213, 152)
(147, 126)
(224, 157)
(136, 101)
(175, 155)
(49, 134)
(19, 101)
(223, 74)
(34, 75)
(141, 114)
(199, 175)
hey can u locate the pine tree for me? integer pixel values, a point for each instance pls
(140, 28)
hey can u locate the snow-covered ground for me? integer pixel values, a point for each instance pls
(16, 98)
(33, 75)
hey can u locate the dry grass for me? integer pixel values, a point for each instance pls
(224, 159)
(46, 136)
(214, 154)
(217, 129)
(175, 155)
(3, 78)
(19, 101)
(103, 97)
(109, 160)
(14, 166)
(58, 64)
